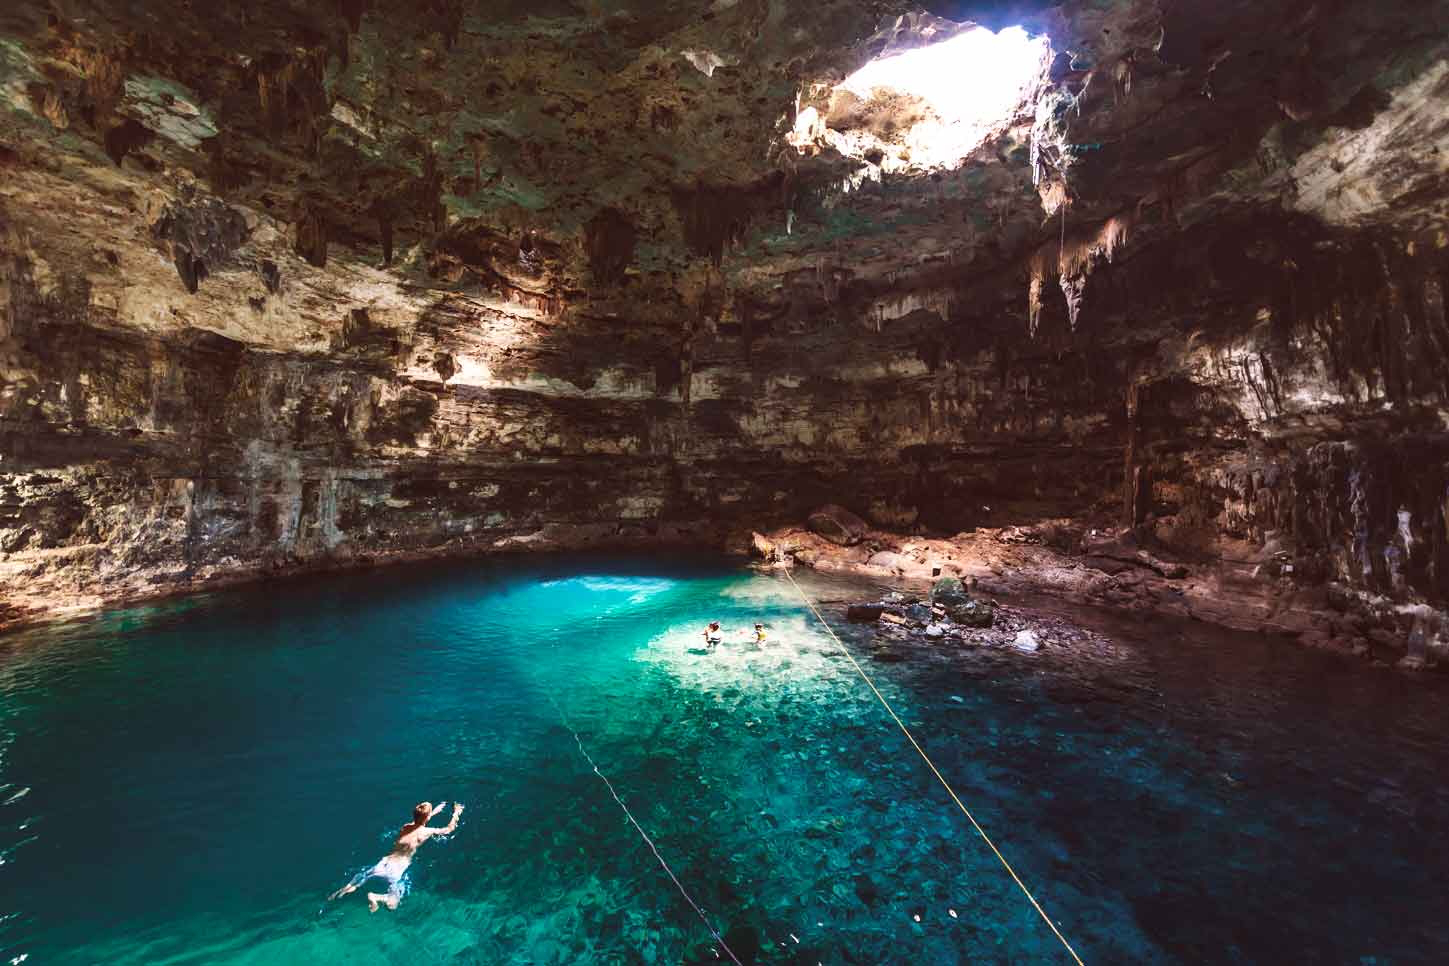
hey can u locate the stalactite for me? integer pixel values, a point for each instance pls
(50, 104)
(311, 240)
(1074, 289)
(715, 217)
(1136, 476)
(271, 276)
(431, 191)
(1122, 78)
(128, 136)
(478, 147)
(1074, 256)
(352, 11)
(686, 360)
(1033, 300)
(297, 80)
(105, 75)
(189, 267)
(609, 239)
(384, 227)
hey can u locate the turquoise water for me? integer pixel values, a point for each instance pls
(186, 783)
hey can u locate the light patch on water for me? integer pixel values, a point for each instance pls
(795, 652)
(639, 589)
(774, 593)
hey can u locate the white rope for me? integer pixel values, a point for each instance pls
(937, 772)
(648, 841)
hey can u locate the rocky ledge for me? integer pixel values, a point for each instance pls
(953, 587)
(949, 617)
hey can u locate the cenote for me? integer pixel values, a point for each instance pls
(186, 783)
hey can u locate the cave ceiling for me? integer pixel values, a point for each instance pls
(244, 168)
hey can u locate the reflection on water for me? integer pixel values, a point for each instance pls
(184, 784)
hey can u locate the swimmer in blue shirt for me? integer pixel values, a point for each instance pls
(394, 865)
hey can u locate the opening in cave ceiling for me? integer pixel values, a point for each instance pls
(925, 108)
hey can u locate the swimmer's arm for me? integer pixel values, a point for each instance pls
(452, 826)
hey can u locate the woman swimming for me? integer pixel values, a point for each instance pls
(394, 865)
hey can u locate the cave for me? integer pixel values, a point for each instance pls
(1080, 366)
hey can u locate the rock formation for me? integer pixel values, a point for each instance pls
(287, 285)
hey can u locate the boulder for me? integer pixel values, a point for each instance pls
(935, 631)
(864, 613)
(972, 613)
(920, 613)
(890, 560)
(764, 547)
(838, 525)
(947, 591)
(1026, 641)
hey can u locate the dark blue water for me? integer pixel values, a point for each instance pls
(186, 783)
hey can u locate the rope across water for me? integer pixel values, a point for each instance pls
(937, 772)
(647, 840)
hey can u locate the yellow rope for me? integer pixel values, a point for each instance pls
(939, 777)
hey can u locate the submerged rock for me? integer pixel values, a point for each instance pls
(866, 890)
(864, 613)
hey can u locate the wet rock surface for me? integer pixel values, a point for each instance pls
(288, 286)
(986, 565)
(903, 626)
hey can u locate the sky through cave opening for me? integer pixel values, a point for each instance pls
(927, 107)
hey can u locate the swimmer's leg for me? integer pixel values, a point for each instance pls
(358, 880)
(390, 898)
(351, 887)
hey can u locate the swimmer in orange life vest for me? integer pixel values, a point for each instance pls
(394, 865)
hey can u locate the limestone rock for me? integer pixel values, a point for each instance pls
(920, 613)
(838, 525)
(972, 613)
(948, 591)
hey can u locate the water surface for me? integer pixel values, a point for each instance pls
(186, 783)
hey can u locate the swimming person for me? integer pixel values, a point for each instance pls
(759, 633)
(711, 636)
(394, 865)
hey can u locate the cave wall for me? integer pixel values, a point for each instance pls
(361, 284)
(140, 462)
(1277, 404)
